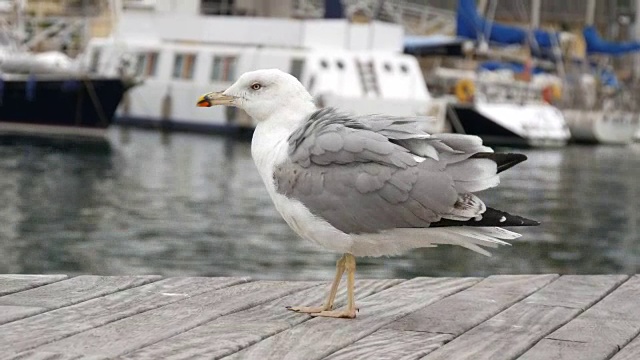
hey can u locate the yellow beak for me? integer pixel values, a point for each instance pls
(214, 98)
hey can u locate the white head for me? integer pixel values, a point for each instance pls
(261, 93)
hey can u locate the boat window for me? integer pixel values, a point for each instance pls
(217, 7)
(324, 64)
(387, 67)
(183, 66)
(404, 68)
(296, 68)
(340, 64)
(146, 64)
(95, 60)
(223, 68)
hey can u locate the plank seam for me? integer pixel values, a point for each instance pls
(39, 285)
(621, 347)
(505, 309)
(613, 288)
(418, 309)
(289, 328)
(565, 340)
(48, 309)
(214, 319)
(578, 313)
(62, 337)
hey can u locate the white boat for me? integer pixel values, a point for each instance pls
(179, 54)
(597, 113)
(48, 93)
(502, 110)
(613, 128)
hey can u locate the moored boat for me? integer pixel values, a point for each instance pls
(180, 53)
(58, 105)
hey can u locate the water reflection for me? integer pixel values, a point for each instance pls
(179, 204)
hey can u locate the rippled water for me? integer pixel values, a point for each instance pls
(181, 204)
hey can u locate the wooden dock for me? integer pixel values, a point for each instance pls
(528, 317)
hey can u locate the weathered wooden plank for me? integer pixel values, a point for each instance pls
(10, 283)
(56, 324)
(10, 312)
(392, 344)
(69, 292)
(577, 291)
(36, 355)
(470, 307)
(321, 337)
(423, 331)
(630, 352)
(134, 332)
(513, 331)
(74, 290)
(229, 334)
(41, 329)
(552, 349)
(597, 333)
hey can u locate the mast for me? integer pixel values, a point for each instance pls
(535, 14)
(20, 6)
(636, 33)
(116, 14)
(591, 12)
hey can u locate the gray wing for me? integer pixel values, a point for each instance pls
(361, 176)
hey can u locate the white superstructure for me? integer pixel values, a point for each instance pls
(504, 110)
(179, 54)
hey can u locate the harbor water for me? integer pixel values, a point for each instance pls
(143, 202)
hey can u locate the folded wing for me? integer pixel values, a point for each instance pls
(370, 174)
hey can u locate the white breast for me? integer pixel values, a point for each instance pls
(269, 147)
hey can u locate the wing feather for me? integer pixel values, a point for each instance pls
(361, 173)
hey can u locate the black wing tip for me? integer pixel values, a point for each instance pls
(491, 217)
(503, 160)
(526, 222)
(505, 219)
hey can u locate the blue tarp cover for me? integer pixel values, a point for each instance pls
(471, 25)
(596, 45)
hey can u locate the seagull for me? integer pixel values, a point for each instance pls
(366, 185)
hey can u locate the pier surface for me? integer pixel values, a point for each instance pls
(149, 317)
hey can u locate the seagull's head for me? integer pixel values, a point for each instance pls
(261, 93)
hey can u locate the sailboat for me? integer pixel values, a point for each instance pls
(495, 106)
(599, 109)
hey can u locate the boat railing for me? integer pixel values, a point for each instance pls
(415, 17)
(599, 97)
(489, 90)
(514, 92)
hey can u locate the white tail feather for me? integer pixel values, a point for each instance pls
(397, 241)
(477, 185)
(472, 169)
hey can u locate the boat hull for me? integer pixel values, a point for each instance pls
(616, 128)
(218, 127)
(511, 124)
(59, 105)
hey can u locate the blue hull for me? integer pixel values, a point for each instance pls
(66, 102)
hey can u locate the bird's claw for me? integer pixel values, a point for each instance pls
(347, 314)
(307, 309)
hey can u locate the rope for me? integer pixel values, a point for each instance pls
(96, 101)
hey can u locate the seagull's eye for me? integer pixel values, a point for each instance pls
(256, 86)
